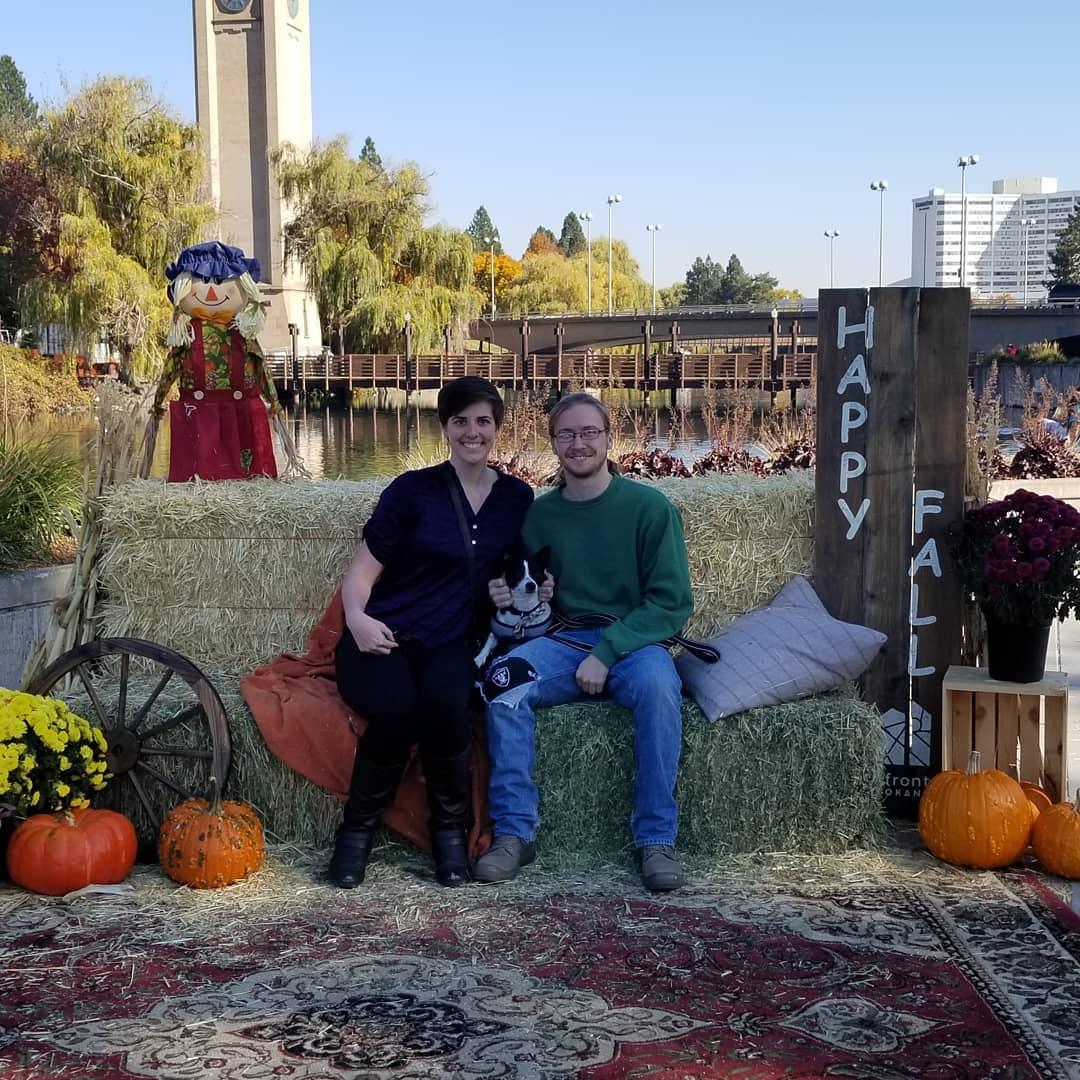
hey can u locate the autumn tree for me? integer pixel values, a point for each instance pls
(481, 229)
(572, 238)
(542, 242)
(506, 271)
(359, 235)
(1065, 261)
(126, 173)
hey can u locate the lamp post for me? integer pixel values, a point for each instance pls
(611, 201)
(654, 229)
(587, 218)
(962, 164)
(490, 241)
(881, 186)
(1025, 226)
(831, 235)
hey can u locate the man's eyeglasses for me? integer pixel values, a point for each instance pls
(589, 435)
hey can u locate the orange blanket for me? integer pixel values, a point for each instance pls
(304, 721)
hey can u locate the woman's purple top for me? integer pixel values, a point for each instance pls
(423, 592)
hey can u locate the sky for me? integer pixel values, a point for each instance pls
(746, 128)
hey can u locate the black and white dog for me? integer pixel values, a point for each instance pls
(528, 616)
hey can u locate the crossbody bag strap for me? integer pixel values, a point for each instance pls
(463, 524)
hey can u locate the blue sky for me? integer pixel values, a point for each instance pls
(748, 128)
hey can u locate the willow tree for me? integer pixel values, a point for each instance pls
(127, 175)
(358, 233)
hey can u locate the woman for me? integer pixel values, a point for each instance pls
(414, 597)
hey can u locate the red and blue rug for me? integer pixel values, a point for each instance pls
(947, 976)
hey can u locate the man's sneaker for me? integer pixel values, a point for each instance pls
(506, 856)
(660, 869)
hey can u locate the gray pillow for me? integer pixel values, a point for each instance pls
(788, 649)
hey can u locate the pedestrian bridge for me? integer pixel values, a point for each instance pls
(545, 334)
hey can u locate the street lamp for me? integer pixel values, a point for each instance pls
(611, 201)
(490, 241)
(1025, 226)
(654, 229)
(881, 186)
(831, 234)
(962, 164)
(587, 218)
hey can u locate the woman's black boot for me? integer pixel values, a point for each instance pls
(370, 792)
(449, 788)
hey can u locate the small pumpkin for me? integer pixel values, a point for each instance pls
(1038, 798)
(975, 818)
(58, 853)
(210, 843)
(1056, 839)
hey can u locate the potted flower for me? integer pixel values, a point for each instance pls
(1019, 557)
(50, 759)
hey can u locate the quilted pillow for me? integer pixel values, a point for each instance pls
(788, 649)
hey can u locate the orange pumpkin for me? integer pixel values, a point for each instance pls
(1056, 839)
(209, 844)
(1038, 798)
(974, 818)
(56, 854)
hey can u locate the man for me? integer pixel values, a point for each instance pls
(617, 549)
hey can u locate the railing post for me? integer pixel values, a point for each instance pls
(646, 335)
(560, 330)
(525, 354)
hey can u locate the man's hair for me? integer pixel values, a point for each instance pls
(578, 398)
(455, 397)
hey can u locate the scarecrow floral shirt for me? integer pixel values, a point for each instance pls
(217, 345)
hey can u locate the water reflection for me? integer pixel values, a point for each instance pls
(354, 443)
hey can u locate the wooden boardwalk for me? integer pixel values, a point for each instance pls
(751, 369)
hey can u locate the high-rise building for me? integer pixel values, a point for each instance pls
(1003, 241)
(253, 92)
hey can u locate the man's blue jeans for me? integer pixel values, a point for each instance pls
(645, 682)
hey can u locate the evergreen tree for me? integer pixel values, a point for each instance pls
(18, 110)
(572, 237)
(703, 282)
(480, 229)
(370, 155)
(734, 282)
(1065, 262)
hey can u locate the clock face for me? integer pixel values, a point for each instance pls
(294, 8)
(233, 7)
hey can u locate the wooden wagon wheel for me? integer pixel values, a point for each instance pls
(144, 748)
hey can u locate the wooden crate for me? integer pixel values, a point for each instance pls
(1002, 721)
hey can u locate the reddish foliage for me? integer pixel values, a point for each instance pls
(800, 454)
(652, 463)
(729, 459)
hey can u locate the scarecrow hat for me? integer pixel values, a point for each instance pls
(213, 259)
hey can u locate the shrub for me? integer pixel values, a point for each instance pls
(39, 482)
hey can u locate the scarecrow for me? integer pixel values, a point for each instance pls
(219, 428)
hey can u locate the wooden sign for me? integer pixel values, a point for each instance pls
(891, 414)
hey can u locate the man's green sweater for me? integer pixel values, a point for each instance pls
(620, 554)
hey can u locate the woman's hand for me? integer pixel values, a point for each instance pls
(370, 635)
(547, 588)
(500, 593)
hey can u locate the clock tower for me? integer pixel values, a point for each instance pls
(253, 92)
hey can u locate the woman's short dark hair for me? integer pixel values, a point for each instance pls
(455, 397)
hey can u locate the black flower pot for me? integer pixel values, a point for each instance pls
(1016, 653)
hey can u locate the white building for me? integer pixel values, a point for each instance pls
(1005, 243)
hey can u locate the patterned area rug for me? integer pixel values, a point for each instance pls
(938, 975)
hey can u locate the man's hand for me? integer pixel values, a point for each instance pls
(591, 675)
(547, 588)
(370, 635)
(500, 593)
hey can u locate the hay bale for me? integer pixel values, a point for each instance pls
(231, 574)
(804, 777)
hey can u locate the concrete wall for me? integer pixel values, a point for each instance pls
(26, 599)
(1059, 376)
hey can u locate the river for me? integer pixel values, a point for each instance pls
(354, 443)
